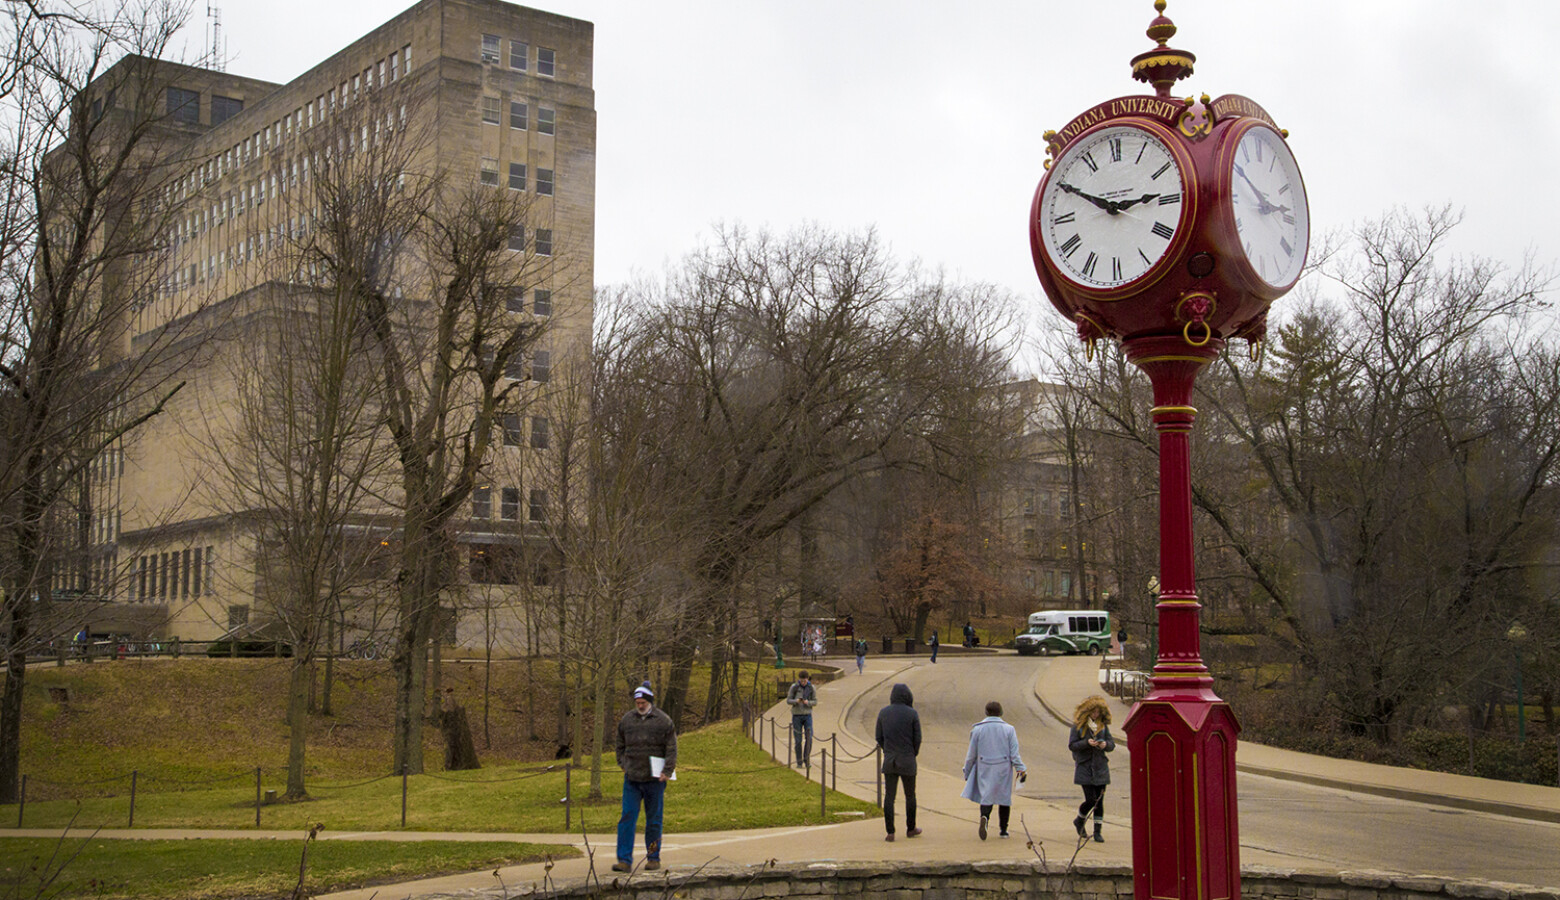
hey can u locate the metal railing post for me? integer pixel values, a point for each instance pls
(823, 790)
(134, 777)
(834, 773)
(568, 795)
(257, 796)
(21, 802)
(403, 795)
(877, 766)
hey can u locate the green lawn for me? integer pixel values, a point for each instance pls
(77, 866)
(194, 731)
(724, 782)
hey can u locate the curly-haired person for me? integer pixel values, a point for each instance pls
(1089, 740)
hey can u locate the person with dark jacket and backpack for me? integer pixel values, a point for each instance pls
(899, 737)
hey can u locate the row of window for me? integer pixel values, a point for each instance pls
(176, 575)
(543, 244)
(497, 564)
(508, 504)
(538, 369)
(519, 115)
(1060, 501)
(491, 53)
(514, 431)
(517, 176)
(184, 106)
(1056, 584)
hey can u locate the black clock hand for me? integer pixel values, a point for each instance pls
(1124, 204)
(1107, 205)
(1263, 206)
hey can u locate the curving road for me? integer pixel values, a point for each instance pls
(1282, 823)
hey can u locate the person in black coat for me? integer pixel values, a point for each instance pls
(1089, 740)
(899, 737)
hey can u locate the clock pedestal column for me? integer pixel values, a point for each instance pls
(1181, 738)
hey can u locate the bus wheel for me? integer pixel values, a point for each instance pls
(1094, 650)
(1045, 649)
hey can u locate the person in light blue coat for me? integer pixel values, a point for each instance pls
(990, 767)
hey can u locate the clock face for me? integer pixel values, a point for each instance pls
(1267, 200)
(1111, 207)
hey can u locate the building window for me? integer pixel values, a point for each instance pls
(546, 120)
(515, 370)
(544, 242)
(184, 106)
(518, 50)
(517, 177)
(517, 238)
(543, 302)
(395, 71)
(490, 108)
(519, 115)
(196, 572)
(546, 62)
(539, 432)
(224, 108)
(513, 436)
(509, 505)
(544, 182)
(541, 366)
(538, 511)
(516, 301)
(482, 503)
(238, 616)
(489, 170)
(211, 569)
(490, 46)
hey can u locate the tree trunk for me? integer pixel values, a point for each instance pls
(299, 683)
(598, 721)
(460, 751)
(330, 666)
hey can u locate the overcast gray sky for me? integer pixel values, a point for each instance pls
(924, 118)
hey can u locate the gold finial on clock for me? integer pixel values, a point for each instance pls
(1162, 66)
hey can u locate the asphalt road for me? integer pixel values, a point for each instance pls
(1281, 822)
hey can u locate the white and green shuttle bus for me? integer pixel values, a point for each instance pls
(1066, 631)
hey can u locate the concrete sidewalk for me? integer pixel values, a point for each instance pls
(947, 819)
(1071, 678)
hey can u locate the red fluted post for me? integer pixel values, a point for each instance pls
(1185, 841)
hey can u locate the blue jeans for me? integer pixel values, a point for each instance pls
(802, 733)
(652, 794)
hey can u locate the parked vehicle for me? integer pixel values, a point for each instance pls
(1066, 631)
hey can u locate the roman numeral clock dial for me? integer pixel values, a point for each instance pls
(1267, 203)
(1112, 207)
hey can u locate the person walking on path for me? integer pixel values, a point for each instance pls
(1089, 740)
(899, 737)
(934, 645)
(802, 697)
(861, 656)
(647, 754)
(990, 767)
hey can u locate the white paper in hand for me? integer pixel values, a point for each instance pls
(657, 766)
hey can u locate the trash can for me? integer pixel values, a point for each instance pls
(909, 645)
(888, 645)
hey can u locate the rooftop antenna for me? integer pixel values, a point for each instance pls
(217, 53)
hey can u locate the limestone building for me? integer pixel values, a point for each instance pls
(501, 99)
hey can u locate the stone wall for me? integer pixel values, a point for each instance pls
(1000, 881)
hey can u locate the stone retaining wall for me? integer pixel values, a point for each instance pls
(998, 881)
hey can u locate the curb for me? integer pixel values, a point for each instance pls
(1473, 804)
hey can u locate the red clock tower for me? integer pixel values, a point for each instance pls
(1170, 225)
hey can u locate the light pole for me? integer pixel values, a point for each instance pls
(1516, 634)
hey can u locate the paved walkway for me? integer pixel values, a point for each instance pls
(947, 820)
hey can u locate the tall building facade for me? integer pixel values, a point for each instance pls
(501, 98)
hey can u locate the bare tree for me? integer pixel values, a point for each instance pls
(83, 216)
(783, 369)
